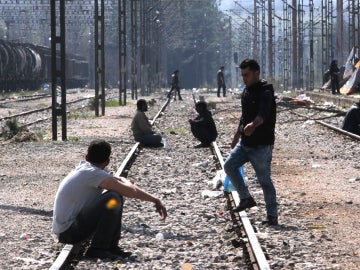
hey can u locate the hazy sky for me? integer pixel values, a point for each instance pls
(226, 4)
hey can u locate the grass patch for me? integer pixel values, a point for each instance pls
(73, 139)
(108, 103)
(177, 130)
(112, 103)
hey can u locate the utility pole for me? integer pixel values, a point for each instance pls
(300, 52)
(271, 39)
(99, 55)
(255, 43)
(58, 73)
(134, 45)
(340, 31)
(294, 45)
(311, 44)
(122, 51)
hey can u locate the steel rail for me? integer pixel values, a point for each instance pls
(352, 135)
(23, 98)
(255, 246)
(40, 110)
(344, 132)
(123, 170)
(152, 122)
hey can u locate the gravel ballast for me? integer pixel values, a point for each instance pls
(315, 171)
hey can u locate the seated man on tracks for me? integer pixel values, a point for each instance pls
(203, 126)
(352, 119)
(141, 127)
(83, 211)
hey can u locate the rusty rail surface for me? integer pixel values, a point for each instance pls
(257, 256)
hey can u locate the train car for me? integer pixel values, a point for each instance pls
(26, 66)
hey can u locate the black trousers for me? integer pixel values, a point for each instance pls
(223, 86)
(202, 134)
(177, 89)
(352, 121)
(335, 88)
(100, 222)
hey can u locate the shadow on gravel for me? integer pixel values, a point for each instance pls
(26, 210)
(286, 228)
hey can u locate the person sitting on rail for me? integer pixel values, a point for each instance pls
(83, 211)
(141, 127)
(203, 126)
(352, 119)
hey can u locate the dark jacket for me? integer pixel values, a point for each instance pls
(334, 70)
(259, 100)
(174, 80)
(220, 77)
(207, 122)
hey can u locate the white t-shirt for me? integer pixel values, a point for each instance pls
(79, 188)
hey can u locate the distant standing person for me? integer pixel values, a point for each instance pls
(257, 133)
(175, 85)
(334, 77)
(89, 204)
(142, 129)
(221, 81)
(203, 126)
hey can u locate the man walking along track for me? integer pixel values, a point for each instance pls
(256, 132)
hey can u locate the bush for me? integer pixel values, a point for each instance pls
(11, 128)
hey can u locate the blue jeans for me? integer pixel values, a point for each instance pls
(260, 158)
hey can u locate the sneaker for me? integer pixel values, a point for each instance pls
(245, 204)
(120, 252)
(97, 253)
(271, 221)
(202, 145)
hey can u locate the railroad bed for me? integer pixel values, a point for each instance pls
(314, 170)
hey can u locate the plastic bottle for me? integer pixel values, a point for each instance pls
(228, 186)
(159, 236)
(164, 141)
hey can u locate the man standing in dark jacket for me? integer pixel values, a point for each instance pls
(203, 126)
(221, 81)
(257, 133)
(334, 76)
(175, 85)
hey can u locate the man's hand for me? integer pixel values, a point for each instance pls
(249, 129)
(235, 139)
(160, 209)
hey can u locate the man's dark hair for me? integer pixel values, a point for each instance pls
(201, 104)
(140, 103)
(98, 151)
(251, 64)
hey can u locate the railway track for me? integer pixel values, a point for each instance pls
(70, 250)
(36, 116)
(199, 230)
(320, 114)
(253, 253)
(23, 98)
